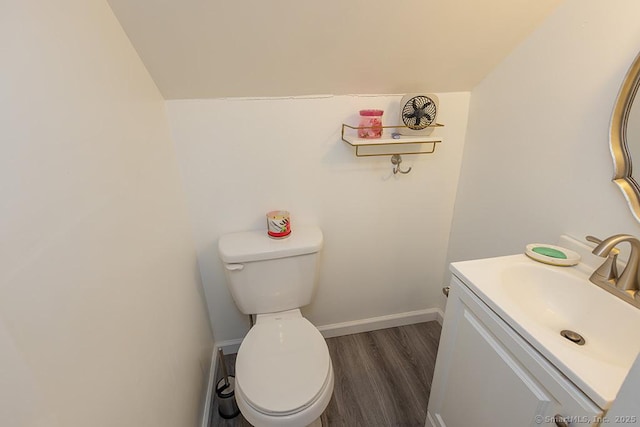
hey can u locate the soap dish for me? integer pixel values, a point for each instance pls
(550, 254)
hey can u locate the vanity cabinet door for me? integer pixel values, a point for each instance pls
(487, 375)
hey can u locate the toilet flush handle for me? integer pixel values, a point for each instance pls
(234, 267)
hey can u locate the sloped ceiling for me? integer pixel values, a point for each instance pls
(227, 48)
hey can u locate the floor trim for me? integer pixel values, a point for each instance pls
(229, 346)
(208, 403)
(381, 322)
(357, 326)
(327, 331)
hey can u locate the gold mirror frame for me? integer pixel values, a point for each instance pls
(620, 152)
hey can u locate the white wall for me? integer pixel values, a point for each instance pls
(536, 161)
(385, 236)
(101, 318)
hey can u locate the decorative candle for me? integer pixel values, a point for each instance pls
(370, 124)
(278, 224)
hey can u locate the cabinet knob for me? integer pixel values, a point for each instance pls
(559, 420)
(445, 291)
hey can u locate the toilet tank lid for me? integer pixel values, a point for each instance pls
(256, 245)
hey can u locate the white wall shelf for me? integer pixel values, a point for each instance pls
(396, 145)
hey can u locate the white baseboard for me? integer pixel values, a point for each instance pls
(357, 326)
(229, 346)
(381, 322)
(208, 403)
(430, 422)
(327, 331)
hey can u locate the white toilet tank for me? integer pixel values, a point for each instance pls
(268, 275)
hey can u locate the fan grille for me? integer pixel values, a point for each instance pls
(419, 112)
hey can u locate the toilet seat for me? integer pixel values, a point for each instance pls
(309, 416)
(283, 364)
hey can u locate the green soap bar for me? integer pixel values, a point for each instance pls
(552, 253)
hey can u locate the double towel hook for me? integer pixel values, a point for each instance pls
(396, 159)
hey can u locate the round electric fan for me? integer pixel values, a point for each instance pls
(418, 113)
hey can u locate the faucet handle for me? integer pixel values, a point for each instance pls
(626, 286)
(597, 241)
(609, 269)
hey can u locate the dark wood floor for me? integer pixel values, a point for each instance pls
(382, 378)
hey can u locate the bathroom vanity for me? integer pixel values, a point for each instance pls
(502, 360)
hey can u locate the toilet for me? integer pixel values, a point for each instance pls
(284, 375)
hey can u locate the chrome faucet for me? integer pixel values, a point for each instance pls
(626, 285)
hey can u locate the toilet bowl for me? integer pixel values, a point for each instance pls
(284, 375)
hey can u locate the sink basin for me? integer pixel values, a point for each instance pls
(539, 301)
